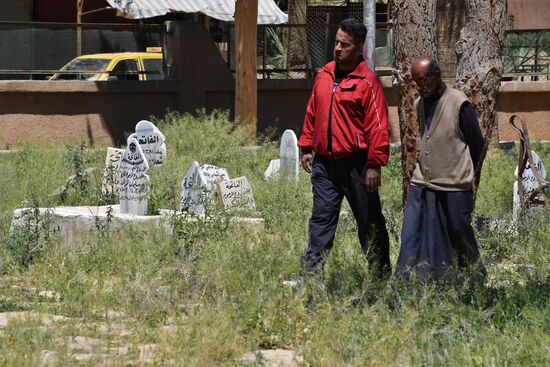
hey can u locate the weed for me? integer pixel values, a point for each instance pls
(207, 291)
(30, 234)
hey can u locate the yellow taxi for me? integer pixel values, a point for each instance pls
(118, 66)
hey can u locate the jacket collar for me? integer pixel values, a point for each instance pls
(360, 70)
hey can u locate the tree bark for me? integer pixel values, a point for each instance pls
(479, 66)
(478, 60)
(414, 36)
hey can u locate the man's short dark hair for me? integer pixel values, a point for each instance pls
(354, 28)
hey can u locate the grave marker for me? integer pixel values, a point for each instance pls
(196, 191)
(529, 183)
(272, 171)
(237, 194)
(214, 174)
(289, 156)
(111, 174)
(134, 181)
(151, 141)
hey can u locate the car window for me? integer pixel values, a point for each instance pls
(82, 65)
(126, 70)
(154, 69)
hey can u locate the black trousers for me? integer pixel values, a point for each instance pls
(332, 179)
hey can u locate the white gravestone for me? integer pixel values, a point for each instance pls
(195, 192)
(237, 194)
(272, 171)
(529, 183)
(134, 181)
(111, 174)
(289, 155)
(214, 174)
(151, 141)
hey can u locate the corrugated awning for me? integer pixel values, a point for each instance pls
(338, 2)
(268, 11)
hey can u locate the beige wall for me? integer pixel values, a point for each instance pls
(530, 100)
(15, 10)
(78, 111)
(104, 112)
(530, 14)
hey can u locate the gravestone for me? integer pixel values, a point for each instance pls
(237, 194)
(289, 156)
(111, 174)
(272, 171)
(195, 192)
(529, 183)
(134, 181)
(214, 174)
(151, 141)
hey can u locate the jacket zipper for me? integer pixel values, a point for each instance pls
(357, 141)
(329, 130)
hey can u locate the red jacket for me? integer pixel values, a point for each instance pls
(359, 116)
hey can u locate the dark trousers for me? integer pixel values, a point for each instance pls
(437, 234)
(332, 179)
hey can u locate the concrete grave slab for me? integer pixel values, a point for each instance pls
(73, 222)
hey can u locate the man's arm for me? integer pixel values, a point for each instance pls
(469, 126)
(377, 134)
(305, 141)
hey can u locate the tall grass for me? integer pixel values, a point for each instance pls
(208, 292)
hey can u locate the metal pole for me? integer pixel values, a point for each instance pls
(369, 19)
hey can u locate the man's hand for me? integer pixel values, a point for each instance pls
(372, 179)
(307, 160)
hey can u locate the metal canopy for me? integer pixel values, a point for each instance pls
(268, 11)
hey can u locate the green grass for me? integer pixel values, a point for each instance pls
(207, 293)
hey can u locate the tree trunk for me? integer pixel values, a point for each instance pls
(369, 19)
(479, 66)
(414, 36)
(429, 27)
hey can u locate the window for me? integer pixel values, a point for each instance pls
(153, 68)
(83, 64)
(126, 70)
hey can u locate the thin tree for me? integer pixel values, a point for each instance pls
(479, 66)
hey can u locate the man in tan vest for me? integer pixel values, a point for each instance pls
(437, 235)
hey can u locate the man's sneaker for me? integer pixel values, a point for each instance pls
(294, 283)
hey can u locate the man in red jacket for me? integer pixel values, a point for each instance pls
(344, 143)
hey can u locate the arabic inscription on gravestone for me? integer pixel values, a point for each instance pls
(111, 174)
(151, 141)
(134, 181)
(237, 194)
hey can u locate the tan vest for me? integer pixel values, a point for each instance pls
(444, 161)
